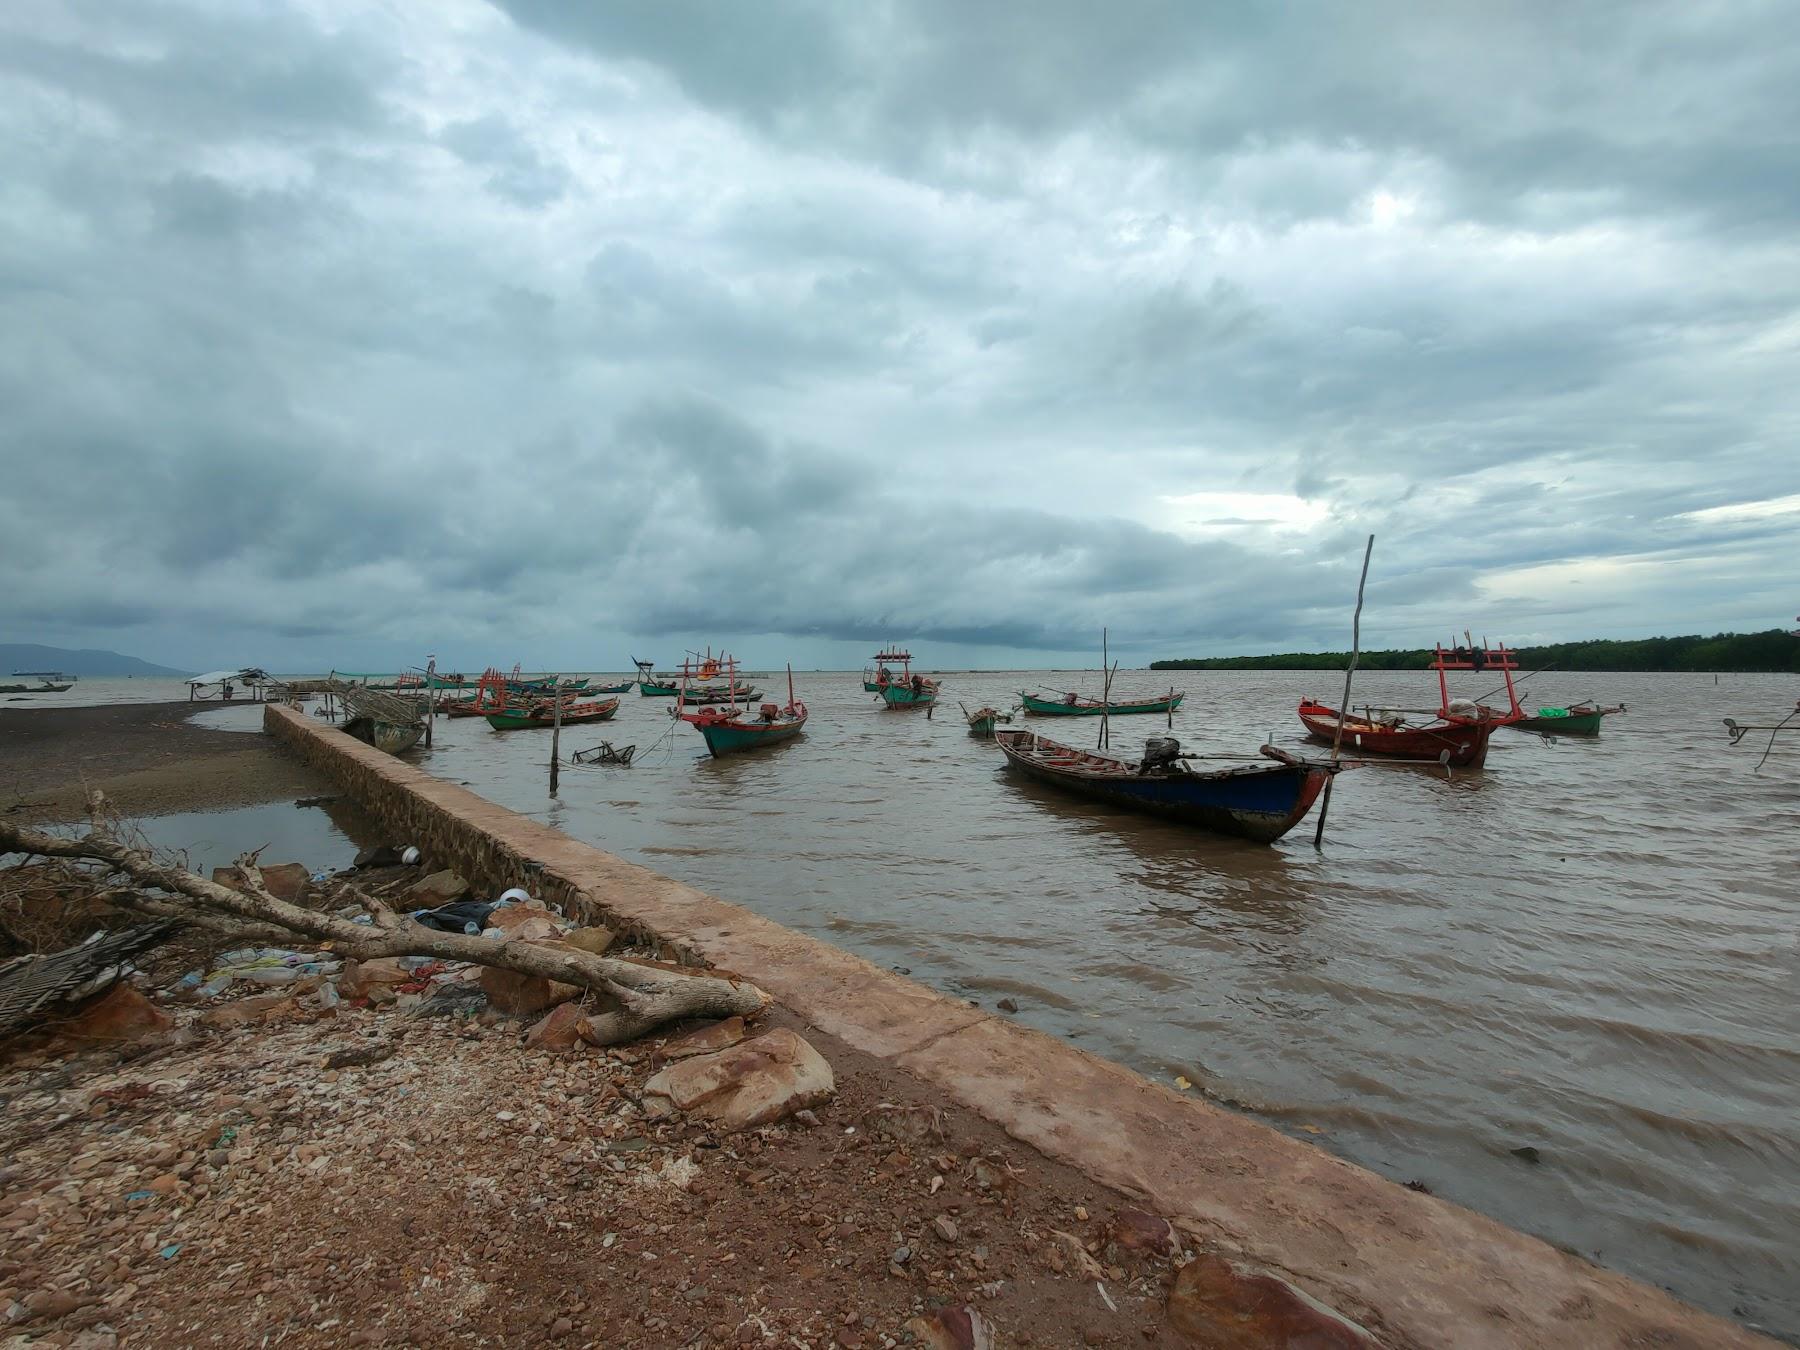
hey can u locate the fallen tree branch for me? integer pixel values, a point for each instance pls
(648, 996)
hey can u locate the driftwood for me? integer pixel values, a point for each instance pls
(647, 996)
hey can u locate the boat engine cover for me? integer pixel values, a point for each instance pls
(1160, 751)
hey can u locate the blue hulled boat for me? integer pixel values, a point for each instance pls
(1256, 801)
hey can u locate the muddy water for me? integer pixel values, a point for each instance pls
(1588, 950)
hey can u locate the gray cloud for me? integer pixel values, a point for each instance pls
(554, 327)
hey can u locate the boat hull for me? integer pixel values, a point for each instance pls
(903, 696)
(656, 689)
(1046, 707)
(731, 738)
(1259, 803)
(1575, 724)
(623, 688)
(1466, 741)
(392, 737)
(519, 720)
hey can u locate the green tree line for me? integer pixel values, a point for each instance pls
(1774, 650)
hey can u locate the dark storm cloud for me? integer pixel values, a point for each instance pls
(987, 325)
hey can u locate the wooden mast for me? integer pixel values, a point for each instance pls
(1337, 735)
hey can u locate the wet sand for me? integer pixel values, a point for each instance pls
(146, 757)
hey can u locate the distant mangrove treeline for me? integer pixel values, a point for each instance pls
(1774, 650)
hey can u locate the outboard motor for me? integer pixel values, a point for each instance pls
(1159, 753)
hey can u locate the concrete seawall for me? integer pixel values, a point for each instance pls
(1416, 1270)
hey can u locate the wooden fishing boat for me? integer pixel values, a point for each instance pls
(874, 678)
(1079, 705)
(719, 693)
(623, 686)
(1260, 802)
(49, 682)
(1578, 719)
(1460, 729)
(506, 710)
(905, 690)
(387, 721)
(983, 720)
(490, 696)
(729, 729)
(542, 713)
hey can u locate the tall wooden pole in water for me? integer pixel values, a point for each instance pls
(1105, 738)
(555, 730)
(1337, 736)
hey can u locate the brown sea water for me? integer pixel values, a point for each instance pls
(1590, 949)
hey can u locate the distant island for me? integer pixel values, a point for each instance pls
(1773, 651)
(73, 661)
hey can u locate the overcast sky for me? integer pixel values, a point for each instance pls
(335, 333)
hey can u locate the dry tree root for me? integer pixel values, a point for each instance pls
(646, 996)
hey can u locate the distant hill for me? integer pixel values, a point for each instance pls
(1770, 651)
(87, 661)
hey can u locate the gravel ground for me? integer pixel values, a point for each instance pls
(231, 1190)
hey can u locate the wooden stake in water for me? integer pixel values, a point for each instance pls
(1105, 697)
(1337, 736)
(555, 731)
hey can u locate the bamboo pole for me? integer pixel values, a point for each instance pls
(555, 733)
(1337, 735)
(1105, 740)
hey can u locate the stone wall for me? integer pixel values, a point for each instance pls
(1416, 1269)
(489, 845)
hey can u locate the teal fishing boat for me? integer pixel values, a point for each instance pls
(904, 690)
(729, 729)
(983, 721)
(543, 714)
(1079, 705)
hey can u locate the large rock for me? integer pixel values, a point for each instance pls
(1225, 1305)
(539, 928)
(440, 888)
(593, 941)
(755, 1083)
(284, 881)
(561, 1030)
(1133, 1230)
(522, 995)
(510, 917)
(120, 1016)
(706, 1041)
(953, 1328)
(244, 1012)
(370, 979)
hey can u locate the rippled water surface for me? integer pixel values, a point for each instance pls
(1588, 949)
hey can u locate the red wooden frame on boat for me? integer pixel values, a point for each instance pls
(1471, 657)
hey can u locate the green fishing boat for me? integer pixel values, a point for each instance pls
(1580, 719)
(1078, 705)
(904, 690)
(983, 721)
(543, 714)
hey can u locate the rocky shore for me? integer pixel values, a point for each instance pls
(267, 1170)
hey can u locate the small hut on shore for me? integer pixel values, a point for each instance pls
(227, 684)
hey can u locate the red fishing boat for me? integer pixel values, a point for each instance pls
(1457, 735)
(490, 696)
